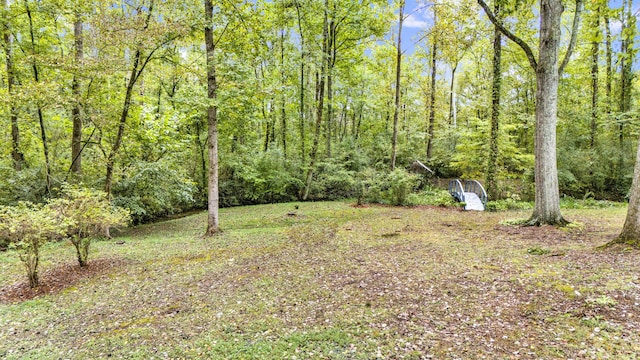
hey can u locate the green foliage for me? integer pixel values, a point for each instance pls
(512, 202)
(86, 214)
(27, 227)
(392, 188)
(536, 250)
(154, 189)
(25, 185)
(569, 202)
(257, 178)
(434, 197)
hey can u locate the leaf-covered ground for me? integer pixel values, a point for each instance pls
(329, 280)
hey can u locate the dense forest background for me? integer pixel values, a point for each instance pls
(113, 95)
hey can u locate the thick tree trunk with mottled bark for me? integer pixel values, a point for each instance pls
(631, 230)
(548, 70)
(547, 200)
(213, 221)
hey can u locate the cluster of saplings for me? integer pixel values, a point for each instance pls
(79, 215)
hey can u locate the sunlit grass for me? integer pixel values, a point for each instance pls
(329, 280)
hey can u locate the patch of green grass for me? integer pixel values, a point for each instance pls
(329, 280)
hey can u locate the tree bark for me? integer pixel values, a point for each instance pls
(133, 76)
(320, 102)
(136, 70)
(302, 85)
(631, 230)
(283, 111)
(16, 155)
(76, 136)
(36, 76)
(432, 100)
(547, 199)
(595, 49)
(609, 61)
(496, 87)
(394, 140)
(213, 221)
(330, 65)
(452, 118)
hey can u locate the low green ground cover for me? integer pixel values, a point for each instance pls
(330, 280)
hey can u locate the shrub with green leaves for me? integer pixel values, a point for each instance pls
(86, 214)
(154, 189)
(27, 227)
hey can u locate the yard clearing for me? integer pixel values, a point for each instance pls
(328, 280)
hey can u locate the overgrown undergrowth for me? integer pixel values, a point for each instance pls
(329, 280)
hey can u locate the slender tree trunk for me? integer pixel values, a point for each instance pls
(136, 69)
(394, 140)
(330, 65)
(76, 136)
(213, 221)
(595, 49)
(609, 60)
(320, 102)
(16, 154)
(36, 76)
(496, 87)
(432, 100)
(283, 111)
(451, 90)
(133, 76)
(302, 85)
(547, 199)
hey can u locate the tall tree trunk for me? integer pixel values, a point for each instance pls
(36, 76)
(330, 64)
(609, 60)
(76, 136)
(283, 111)
(496, 87)
(16, 154)
(302, 85)
(320, 79)
(548, 70)
(595, 49)
(452, 120)
(547, 199)
(136, 70)
(133, 76)
(213, 221)
(394, 140)
(432, 99)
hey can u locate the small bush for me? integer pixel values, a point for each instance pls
(86, 214)
(27, 227)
